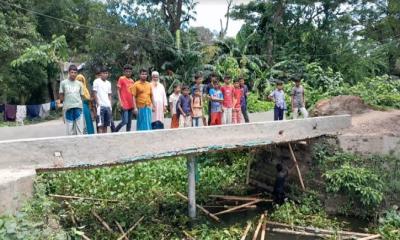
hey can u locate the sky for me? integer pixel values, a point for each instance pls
(209, 13)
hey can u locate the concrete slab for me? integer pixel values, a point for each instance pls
(122, 148)
(16, 186)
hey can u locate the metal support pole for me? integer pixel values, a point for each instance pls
(191, 163)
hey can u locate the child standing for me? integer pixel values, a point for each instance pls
(278, 97)
(173, 100)
(227, 104)
(102, 93)
(184, 108)
(298, 101)
(216, 99)
(237, 97)
(197, 107)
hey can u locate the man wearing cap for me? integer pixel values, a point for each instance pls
(102, 94)
(160, 101)
(227, 103)
(71, 93)
(125, 97)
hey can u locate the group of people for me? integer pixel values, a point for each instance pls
(201, 104)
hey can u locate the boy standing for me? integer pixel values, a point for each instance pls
(184, 108)
(227, 104)
(102, 93)
(173, 100)
(237, 97)
(142, 94)
(71, 93)
(216, 99)
(243, 101)
(278, 97)
(298, 100)
(125, 98)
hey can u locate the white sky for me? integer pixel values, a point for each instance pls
(209, 13)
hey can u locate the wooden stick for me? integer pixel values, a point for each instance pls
(318, 230)
(228, 206)
(199, 207)
(130, 229)
(238, 207)
(85, 237)
(248, 171)
(105, 225)
(81, 198)
(288, 231)
(72, 215)
(258, 227)
(240, 198)
(376, 236)
(297, 167)
(121, 229)
(188, 235)
(263, 228)
(246, 231)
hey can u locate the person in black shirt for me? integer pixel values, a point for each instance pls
(279, 192)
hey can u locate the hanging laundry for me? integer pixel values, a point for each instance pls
(1, 108)
(33, 111)
(21, 114)
(53, 105)
(10, 112)
(44, 110)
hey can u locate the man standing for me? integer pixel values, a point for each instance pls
(125, 98)
(141, 91)
(243, 101)
(160, 102)
(71, 93)
(227, 104)
(298, 100)
(102, 94)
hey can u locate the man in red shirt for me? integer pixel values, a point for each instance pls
(125, 98)
(227, 104)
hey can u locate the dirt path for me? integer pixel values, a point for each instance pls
(376, 123)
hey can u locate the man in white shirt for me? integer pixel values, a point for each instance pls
(160, 102)
(102, 93)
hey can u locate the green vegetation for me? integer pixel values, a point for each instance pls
(389, 224)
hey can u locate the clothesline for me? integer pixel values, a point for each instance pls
(19, 113)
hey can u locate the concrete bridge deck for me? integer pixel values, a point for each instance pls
(20, 158)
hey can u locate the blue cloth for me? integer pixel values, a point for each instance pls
(88, 117)
(33, 111)
(105, 117)
(278, 113)
(126, 119)
(215, 105)
(1, 108)
(185, 103)
(53, 105)
(243, 99)
(73, 114)
(144, 119)
(195, 121)
(157, 125)
(201, 87)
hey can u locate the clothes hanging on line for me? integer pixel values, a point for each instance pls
(10, 112)
(33, 111)
(45, 110)
(1, 108)
(21, 114)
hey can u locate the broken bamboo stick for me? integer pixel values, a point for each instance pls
(121, 229)
(239, 198)
(297, 167)
(375, 236)
(72, 213)
(229, 206)
(258, 227)
(85, 237)
(130, 229)
(105, 225)
(246, 231)
(199, 207)
(238, 207)
(81, 198)
(188, 235)
(263, 230)
(288, 231)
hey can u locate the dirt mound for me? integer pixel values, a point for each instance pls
(340, 105)
(376, 123)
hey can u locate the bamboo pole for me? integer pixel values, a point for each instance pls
(121, 229)
(288, 231)
(375, 236)
(81, 198)
(105, 225)
(199, 207)
(238, 207)
(258, 227)
(229, 206)
(263, 230)
(357, 234)
(85, 237)
(130, 229)
(190, 237)
(297, 167)
(246, 231)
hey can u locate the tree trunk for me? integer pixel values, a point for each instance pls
(274, 23)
